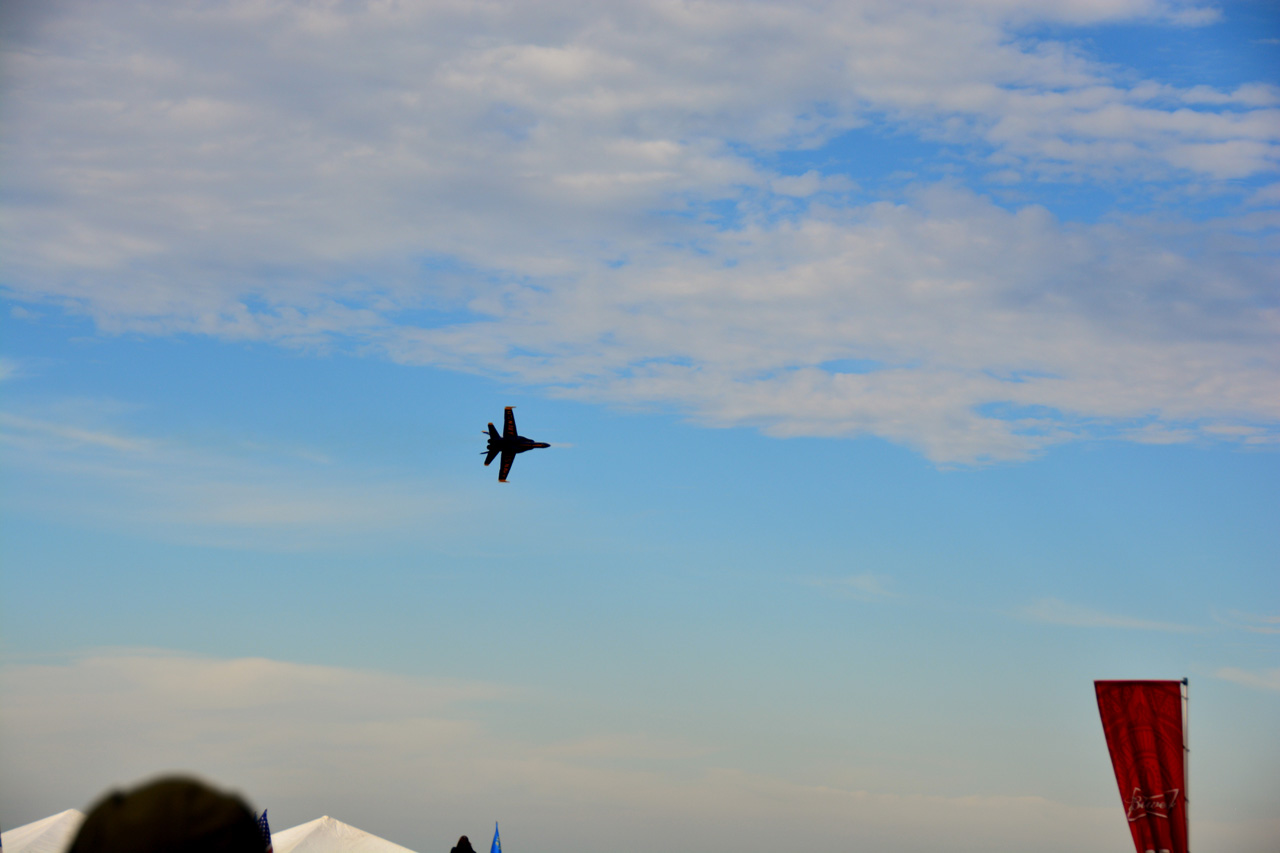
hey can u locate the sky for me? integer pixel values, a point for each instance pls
(907, 366)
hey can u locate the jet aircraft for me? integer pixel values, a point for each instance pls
(508, 444)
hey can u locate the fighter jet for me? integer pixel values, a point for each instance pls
(508, 444)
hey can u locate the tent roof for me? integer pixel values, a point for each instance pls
(52, 834)
(326, 835)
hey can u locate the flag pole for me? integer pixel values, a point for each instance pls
(1186, 756)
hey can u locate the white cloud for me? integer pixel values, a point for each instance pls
(1250, 94)
(559, 177)
(1052, 611)
(1268, 195)
(810, 183)
(963, 304)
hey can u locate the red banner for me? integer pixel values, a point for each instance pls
(1144, 727)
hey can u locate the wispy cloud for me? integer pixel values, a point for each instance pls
(372, 748)
(1268, 679)
(241, 496)
(28, 431)
(1053, 611)
(864, 587)
(1250, 622)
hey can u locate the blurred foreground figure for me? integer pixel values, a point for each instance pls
(170, 815)
(463, 846)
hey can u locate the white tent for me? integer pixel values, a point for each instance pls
(53, 834)
(326, 835)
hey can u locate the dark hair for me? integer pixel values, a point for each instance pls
(171, 815)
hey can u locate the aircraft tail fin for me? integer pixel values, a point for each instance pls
(493, 433)
(490, 455)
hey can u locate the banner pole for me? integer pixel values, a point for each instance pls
(1186, 756)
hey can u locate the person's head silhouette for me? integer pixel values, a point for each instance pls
(171, 815)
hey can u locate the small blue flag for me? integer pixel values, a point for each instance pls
(497, 843)
(265, 829)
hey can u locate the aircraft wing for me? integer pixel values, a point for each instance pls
(508, 456)
(509, 427)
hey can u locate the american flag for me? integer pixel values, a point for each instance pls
(266, 832)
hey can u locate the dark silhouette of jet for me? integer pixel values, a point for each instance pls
(508, 444)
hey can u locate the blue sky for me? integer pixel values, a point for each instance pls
(907, 366)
